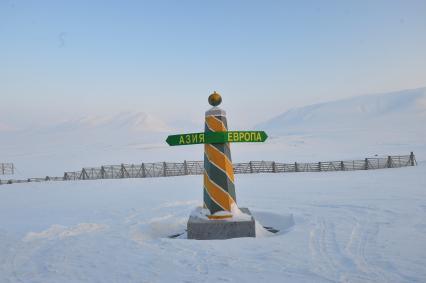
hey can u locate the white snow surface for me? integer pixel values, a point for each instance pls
(361, 226)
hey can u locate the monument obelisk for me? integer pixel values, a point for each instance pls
(219, 187)
(221, 218)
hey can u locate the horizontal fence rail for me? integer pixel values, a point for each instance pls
(7, 169)
(169, 169)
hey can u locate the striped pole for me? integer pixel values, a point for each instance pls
(219, 188)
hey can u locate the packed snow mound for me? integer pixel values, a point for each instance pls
(401, 109)
(61, 232)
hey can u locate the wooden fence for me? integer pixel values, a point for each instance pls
(169, 169)
(7, 169)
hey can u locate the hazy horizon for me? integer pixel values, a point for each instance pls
(158, 124)
(62, 61)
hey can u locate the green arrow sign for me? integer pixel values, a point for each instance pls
(217, 137)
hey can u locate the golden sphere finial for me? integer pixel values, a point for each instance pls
(215, 99)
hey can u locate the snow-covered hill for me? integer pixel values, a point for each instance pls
(5, 127)
(388, 123)
(402, 110)
(125, 121)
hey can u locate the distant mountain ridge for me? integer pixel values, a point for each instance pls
(405, 108)
(130, 121)
(4, 127)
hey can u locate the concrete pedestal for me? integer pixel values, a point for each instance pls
(206, 229)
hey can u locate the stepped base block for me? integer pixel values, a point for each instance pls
(206, 229)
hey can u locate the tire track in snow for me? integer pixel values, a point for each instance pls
(363, 236)
(8, 263)
(327, 257)
(355, 259)
(348, 264)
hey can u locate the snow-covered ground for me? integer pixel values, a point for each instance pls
(363, 226)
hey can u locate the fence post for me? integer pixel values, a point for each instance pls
(143, 170)
(251, 167)
(84, 174)
(366, 164)
(296, 169)
(131, 171)
(342, 166)
(164, 169)
(2, 168)
(185, 167)
(412, 159)
(274, 167)
(319, 166)
(102, 172)
(122, 171)
(389, 162)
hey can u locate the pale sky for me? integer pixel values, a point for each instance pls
(63, 59)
